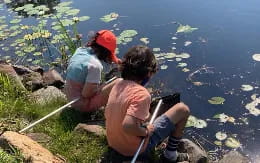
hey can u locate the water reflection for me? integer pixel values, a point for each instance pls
(19, 3)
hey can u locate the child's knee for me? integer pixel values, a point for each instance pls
(182, 109)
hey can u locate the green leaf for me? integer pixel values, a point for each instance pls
(72, 12)
(221, 136)
(232, 143)
(19, 8)
(256, 57)
(14, 21)
(145, 40)
(64, 4)
(195, 122)
(110, 17)
(185, 29)
(216, 100)
(246, 87)
(84, 18)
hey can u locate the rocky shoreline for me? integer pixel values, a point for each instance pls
(45, 86)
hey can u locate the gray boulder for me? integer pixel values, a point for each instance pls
(234, 157)
(10, 72)
(52, 77)
(197, 155)
(95, 128)
(46, 95)
(32, 81)
(30, 150)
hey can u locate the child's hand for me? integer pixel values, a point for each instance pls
(150, 129)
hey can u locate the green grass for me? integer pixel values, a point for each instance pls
(17, 111)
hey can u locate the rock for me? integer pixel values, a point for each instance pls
(32, 81)
(52, 77)
(37, 69)
(10, 72)
(29, 149)
(45, 95)
(234, 157)
(39, 137)
(21, 70)
(197, 155)
(92, 128)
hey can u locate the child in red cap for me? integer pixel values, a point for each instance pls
(84, 72)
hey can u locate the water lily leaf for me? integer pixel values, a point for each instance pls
(72, 12)
(33, 12)
(185, 29)
(182, 64)
(218, 143)
(15, 33)
(29, 49)
(178, 59)
(187, 43)
(128, 33)
(84, 18)
(174, 38)
(18, 41)
(246, 87)
(232, 143)
(164, 67)
(185, 69)
(56, 27)
(14, 21)
(36, 62)
(28, 6)
(221, 135)
(216, 100)
(256, 57)
(7, 1)
(15, 27)
(3, 27)
(224, 118)
(183, 55)
(197, 83)
(37, 53)
(110, 17)
(195, 122)
(29, 60)
(252, 106)
(67, 22)
(156, 49)
(169, 55)
(42, 8)
(20, 53)
(64, 4)
(126, 36)
(61, 10)
(5, 48)
(145, 40)
(19, 8)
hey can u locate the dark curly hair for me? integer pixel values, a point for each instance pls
(137, 63)
(101, 52)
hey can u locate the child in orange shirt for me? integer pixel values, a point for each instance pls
(128, 109)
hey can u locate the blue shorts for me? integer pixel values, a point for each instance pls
(163, 127)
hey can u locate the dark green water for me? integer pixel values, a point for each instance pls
(228, 36)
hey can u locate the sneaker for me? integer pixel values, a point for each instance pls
(181, 157)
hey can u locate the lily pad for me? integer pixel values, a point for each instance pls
(182, 64)
(178, 59)
(187, 43)
(216, 100)
(110, 17)
(164, 67)
(185, 69)
(224, 118)
(221, 136)
(126, 36)
(84, 18)
(156, 49)
(232, 143)
(145, 40)
(14, 21)
(183, 55)
(256, 57)
(246, 87)
(218, 143)
(252, 106)
(185, 29)
(195, 122)
(72, 12)
(169, 55)
(64, 4)
(174, 38)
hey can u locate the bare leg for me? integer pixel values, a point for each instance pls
(178, 115)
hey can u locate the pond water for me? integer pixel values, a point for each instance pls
(220, 62)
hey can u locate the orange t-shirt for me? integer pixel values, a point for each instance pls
(126, 98)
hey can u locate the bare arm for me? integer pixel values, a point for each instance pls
(89, 90)
(132, 126)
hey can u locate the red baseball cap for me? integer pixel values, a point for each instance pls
(107, 39)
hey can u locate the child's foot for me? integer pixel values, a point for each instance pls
(180, 157)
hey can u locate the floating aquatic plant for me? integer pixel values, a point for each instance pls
(110, 17)
(256, 57)
(224, 118)
(232, 143)
(252, 106)
(185, 29)
(164, 67)
(156, 49)
(221, 135)
(145, 40)
(246, 87)
(187, 43)
(126, 36)
(182, 64)
(216, 100)
(195, 122)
